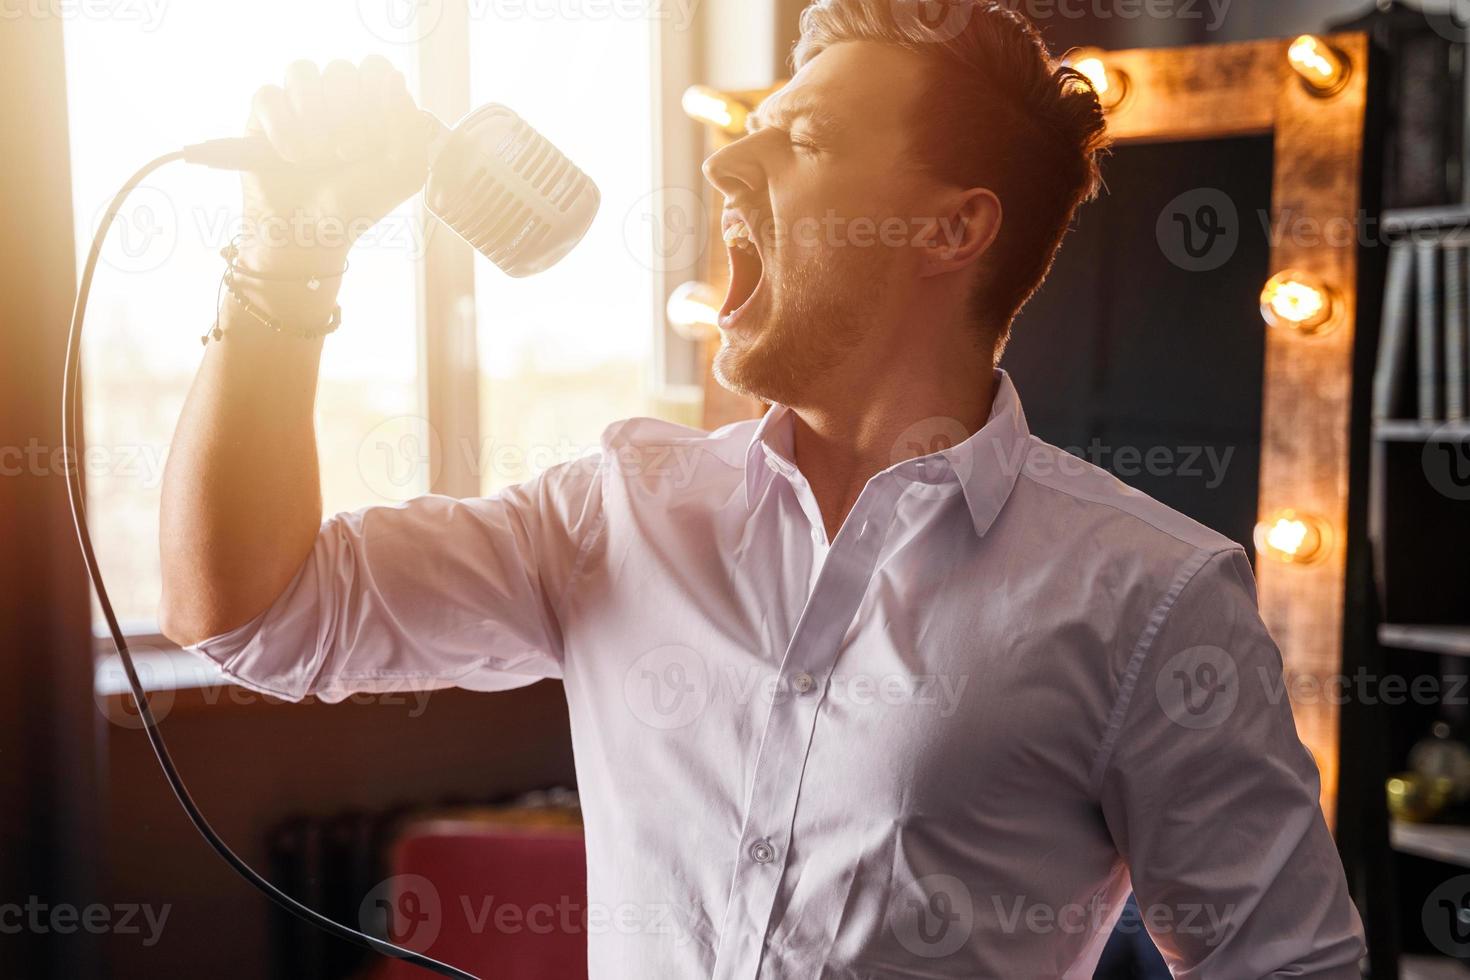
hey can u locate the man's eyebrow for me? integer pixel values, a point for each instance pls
(785, 116)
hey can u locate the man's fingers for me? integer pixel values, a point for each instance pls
(376, 78)
(271, 116)
(304, 92)
(342, 92)
(408, 145)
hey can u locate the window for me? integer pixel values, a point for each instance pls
(559, 356)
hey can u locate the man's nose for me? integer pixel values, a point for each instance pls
(733, 170)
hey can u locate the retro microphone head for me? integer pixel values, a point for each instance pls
(502, 186)
(508, 192)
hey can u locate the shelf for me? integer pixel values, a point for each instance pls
(1431, 968)
(1429, 639)
(1414, 431)
(1438, 842)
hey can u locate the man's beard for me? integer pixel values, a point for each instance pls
(821, 312)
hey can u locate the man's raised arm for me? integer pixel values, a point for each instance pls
(241, 494)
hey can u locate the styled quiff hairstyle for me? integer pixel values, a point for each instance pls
(998, 112)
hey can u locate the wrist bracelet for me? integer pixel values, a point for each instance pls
(227, 284)
(231, 254)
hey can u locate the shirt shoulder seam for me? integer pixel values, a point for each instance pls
(580, 562)
(1191, 567)
(1112, 505)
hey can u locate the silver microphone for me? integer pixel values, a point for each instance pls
(502, 186)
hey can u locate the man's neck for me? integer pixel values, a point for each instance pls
(906, 410)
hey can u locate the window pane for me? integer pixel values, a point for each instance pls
(566, 352)
(140, 87)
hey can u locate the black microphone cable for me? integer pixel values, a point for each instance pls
(69, 440)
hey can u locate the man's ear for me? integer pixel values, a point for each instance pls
(957, 239)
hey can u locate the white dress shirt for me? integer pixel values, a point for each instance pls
(945, 744)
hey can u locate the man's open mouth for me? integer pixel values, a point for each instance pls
(747, 268)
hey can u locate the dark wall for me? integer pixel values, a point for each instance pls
(47, 779)
(1122, 24)
(251, 764)
(1146, 360)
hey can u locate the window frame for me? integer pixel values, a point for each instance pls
(444, 283)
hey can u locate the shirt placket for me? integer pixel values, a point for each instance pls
(780, 763)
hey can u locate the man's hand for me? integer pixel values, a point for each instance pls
(362, 148)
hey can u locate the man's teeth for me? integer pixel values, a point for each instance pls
(739, 234)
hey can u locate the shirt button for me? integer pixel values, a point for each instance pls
(803, 682)
(762, 851)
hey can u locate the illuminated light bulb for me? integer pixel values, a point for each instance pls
(1322, 67)
(1110, 84)
(709, 106)
(1293, 537)
(1299, 301)
(694, 310)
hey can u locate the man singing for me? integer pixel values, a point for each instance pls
(878, 686)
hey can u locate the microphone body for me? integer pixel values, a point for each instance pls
(499, 184)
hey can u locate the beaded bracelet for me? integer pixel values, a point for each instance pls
(231, 254)
(227, 284)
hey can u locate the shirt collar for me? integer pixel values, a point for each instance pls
(986, 465)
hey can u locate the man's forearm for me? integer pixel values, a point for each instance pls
(241, 493)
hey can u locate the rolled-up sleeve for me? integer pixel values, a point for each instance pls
(1212, 800)
(436, 592)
